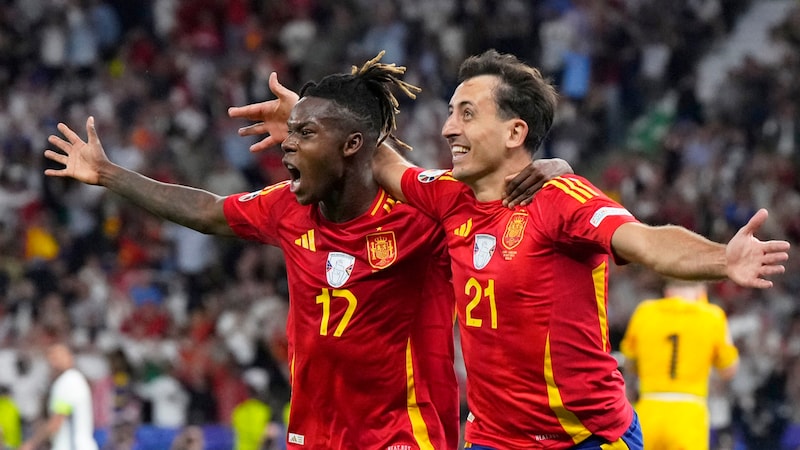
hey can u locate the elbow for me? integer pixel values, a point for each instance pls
(729, 372)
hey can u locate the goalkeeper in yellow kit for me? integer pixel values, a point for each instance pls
(671, 344)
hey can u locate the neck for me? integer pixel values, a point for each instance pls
(490, 186)
(351, 198)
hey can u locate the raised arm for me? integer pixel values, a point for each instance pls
(388, 167)
(677, 252)
(87, 162)
(270, 116)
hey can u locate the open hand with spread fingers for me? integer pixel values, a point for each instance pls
(271, 116)
(750, 260)
(82, 160)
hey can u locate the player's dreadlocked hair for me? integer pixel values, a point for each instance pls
(367, 94)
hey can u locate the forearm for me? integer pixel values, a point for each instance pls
(45, 431)
(388, 167)
(184, 205)
(672, 251)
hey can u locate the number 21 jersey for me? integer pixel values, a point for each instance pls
(531, 286)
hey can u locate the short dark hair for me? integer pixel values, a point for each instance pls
(523, 92)
(366, 94)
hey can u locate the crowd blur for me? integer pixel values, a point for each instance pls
(174, 328)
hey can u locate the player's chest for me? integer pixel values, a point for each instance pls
(336, 257)
(492, 241)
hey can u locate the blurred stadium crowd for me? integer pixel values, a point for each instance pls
(175, 328)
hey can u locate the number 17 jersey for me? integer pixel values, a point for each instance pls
(370, 323)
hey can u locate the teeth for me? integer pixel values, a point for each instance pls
(459, 149)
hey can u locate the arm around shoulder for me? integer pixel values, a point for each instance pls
(388, 167)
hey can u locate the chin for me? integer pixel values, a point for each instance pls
(460, 174)
(303, 199)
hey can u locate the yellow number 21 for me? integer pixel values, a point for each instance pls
(325, 300)
(474, 288)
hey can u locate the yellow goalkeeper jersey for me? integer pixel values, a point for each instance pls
(675, 343)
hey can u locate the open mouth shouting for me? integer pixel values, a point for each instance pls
(294, 176)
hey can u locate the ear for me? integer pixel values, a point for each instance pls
(353, 143)
(517, 133)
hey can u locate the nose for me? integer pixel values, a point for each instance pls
(289, 144)
(450, 128)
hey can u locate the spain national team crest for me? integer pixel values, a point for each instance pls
(338, 268)
(483, 250)
(515, 229)
(381, 249)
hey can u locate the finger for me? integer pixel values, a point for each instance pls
(254, 129)
(515, 187)
(761, 283)
(275, 86)
(55, 172)
(264, 144)
(60, 143)
(278, 89)
(772, 270)
(774, 258)
(56, 157)
(519, 198)
(249, 112)
(755, 222)
(71, 136)
(91, 131)
(776, 246)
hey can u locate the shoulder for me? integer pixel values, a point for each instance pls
(572, 186)
(273, 192)
(647, 306)
(713, 310)
(437, 178)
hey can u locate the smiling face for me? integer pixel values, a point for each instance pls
(314, 151)
(476, 134)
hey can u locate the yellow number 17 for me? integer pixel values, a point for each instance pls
(325, 300)
(478, 292)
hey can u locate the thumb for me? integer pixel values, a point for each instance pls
(91, 131)
(275, 86)
(756, 221)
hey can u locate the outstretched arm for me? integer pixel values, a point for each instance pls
(271, 116)
(86, 161)
(677, 252)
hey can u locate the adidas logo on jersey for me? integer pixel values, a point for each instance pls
(307, 241)
(464, 229)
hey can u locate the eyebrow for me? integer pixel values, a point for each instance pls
(461, 104)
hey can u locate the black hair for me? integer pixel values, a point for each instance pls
(366, 95)
(522, 92)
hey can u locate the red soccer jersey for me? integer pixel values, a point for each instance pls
(531, 288)
(370, 322)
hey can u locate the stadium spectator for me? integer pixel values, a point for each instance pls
(70, 423)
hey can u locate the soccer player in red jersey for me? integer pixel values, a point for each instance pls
(531, 281)
(370, 325)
